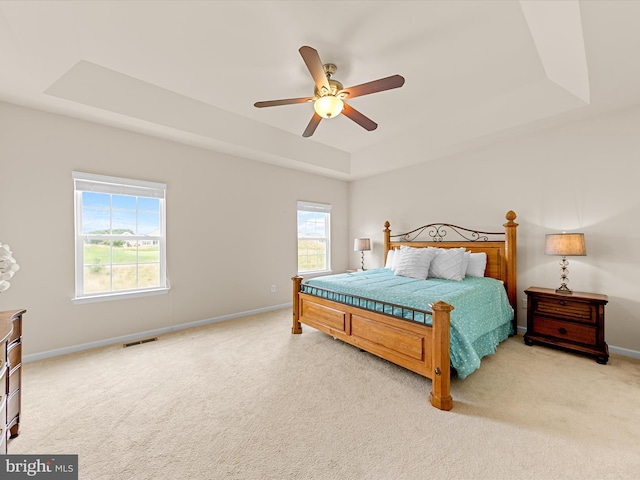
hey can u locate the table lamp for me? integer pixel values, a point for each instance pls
(564, 244)
(362, 245)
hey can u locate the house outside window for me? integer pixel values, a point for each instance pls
(314, 234)
(120, 239)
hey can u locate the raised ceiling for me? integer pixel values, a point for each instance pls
(475, 71)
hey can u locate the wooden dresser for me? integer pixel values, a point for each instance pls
(10, 374)
(571, 321)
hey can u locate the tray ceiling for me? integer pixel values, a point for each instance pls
(476, 71)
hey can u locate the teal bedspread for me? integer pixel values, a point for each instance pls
(481, 319)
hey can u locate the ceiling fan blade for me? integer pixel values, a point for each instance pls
(360, 119)
(380, 85)
(314, 64)
(286, 101)
(313, 124)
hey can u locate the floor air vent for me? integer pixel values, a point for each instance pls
(140, 342)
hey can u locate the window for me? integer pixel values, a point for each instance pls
(120, 237)
(314, 251)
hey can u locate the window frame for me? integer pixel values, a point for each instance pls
(89, 182)
(304, 206)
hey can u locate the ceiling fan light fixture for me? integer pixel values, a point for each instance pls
(329, 94)
(328, 106)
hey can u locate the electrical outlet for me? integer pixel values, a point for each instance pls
(524, 302)
(273, 288)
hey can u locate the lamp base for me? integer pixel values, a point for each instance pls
(564, 289)
(564, 277)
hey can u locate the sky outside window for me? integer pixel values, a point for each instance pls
(102, 212)
(311, 224)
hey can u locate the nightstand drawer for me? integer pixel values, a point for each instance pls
(573, 332)
(565, 308)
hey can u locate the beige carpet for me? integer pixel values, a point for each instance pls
(245, 399)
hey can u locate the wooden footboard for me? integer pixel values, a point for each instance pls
(423, 349)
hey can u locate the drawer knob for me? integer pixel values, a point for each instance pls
(562, 330)
(563, 302)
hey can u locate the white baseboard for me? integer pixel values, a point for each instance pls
(626, 352)
(149, 333)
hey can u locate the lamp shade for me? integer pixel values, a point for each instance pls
(328, 106)
(565, 244)
(361, 245)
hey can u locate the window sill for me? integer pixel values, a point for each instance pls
(118, 296)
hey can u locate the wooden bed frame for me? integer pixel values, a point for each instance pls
(421, 348)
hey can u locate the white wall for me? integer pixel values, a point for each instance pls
(580, 177)
(231, 227)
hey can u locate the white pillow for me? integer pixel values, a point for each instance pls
(414, 262)
(477, 264)
(392, 259)
(447, 264)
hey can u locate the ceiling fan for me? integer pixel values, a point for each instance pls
(329, 95)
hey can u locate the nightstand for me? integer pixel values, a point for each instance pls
(570, 321)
